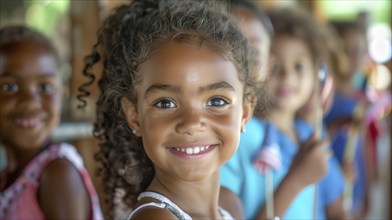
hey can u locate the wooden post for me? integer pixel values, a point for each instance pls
(85, 22)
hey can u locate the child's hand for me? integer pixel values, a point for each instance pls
(349, 171)
(311, 162)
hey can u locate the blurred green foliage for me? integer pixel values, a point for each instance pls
(43, 15)
(380, 10)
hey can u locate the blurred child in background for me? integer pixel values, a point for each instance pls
(299, 53)
(257, 29)
(293, 195)
(42, 179)
(346, 119)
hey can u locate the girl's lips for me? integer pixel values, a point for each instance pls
(192, 152)
(285, 92)
(27, 122)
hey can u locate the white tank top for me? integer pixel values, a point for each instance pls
(165, 203)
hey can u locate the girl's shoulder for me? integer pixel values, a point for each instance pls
(154, 210)
(153, 205)
(50, 154)
(60, 185)
(64, 180)
(49, 182)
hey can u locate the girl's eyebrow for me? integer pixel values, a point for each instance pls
(157, 87)
(214, 86)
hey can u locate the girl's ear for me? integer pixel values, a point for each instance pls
(247, 113)
(129, 110)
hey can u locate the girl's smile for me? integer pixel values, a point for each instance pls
(192, 152)
(285, 92)
(29, 122)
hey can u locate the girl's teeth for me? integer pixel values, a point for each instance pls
(192, 150)
(27, 123)
(196, 150)
(189, 151)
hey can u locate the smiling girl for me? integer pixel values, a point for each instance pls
(42, 179)
(175, 98)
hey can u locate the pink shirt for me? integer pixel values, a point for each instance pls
(19, 201)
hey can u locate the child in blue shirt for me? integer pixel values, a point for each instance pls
(304, 159)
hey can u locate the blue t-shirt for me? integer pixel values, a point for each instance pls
(240, 176)
(330, 187)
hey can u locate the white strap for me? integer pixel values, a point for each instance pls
(169, 205)
(159, 205)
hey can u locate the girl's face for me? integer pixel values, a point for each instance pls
(190, 110)
(292, 78)
(256, 34)
(29, 94)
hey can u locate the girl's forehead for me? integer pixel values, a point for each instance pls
(286, 44)
(181, 63)
(172, 52)
(27, 59)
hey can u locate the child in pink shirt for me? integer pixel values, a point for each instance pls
(42, 180)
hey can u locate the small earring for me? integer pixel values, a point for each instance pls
(133, 131)
(243, 130)
(121, 172)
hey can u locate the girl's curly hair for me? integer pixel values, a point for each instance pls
(126, 40)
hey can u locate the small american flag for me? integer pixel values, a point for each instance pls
(269, 156)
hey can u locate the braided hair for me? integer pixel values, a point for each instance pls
(126, 40)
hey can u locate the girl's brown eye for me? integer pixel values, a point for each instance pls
(10, 87)
(46, 88)
(217, 102)
(298, 67)
(165, 103)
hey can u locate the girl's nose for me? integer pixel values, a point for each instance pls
(191, 122)
(285, 74)
(30, 97)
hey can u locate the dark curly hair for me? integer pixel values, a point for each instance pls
(300, 24)
(126, 40)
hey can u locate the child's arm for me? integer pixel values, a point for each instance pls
(231, 203)
(62, 193)
(308, 166)
(336, 210)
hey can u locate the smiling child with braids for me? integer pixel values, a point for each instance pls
(175, 95)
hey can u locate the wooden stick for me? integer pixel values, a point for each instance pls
(269, 189)
(352, 139)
